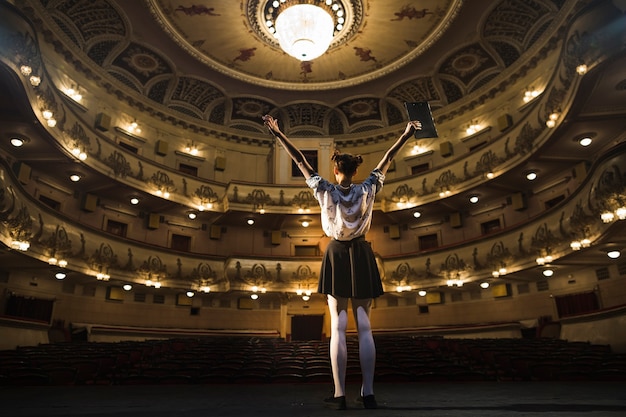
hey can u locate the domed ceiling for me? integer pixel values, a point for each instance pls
(240, 45)
(215, 61)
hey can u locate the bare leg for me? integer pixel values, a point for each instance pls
(338, 308)
(367, 348)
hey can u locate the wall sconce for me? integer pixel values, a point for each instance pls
(530, 94)
(548, 272)
(164, 185)
(190, 294)
(79, 152)
(579, 244)
(155, 284)
(73, 93)
(21, 245)
(305, 294)
(127, 287)
(54, 261)
(581, 69)
(444, 192)
(542, 260)
(551, 122)
(191, 149)
(472, 128)
(256, 290)
(418, 149)
(609, 216)
(499, 272)
(207, 197)
(48, 115)
(484, 285)
(205, 289)
(101, 276)
(133, 127)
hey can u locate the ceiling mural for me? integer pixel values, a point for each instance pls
(240, 45)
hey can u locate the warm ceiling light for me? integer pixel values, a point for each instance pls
(60, 275)
(586, 141)
(473, 199)
(192, 215)
(581, 69)
(17, 142)
(548, 272)
(417, 214)
(421, 293)
(190, 294)
(484, 285)
(531, 176)
(134, 201)
(613, 254)
(305, 222)
(304, 31)
(127, 287)
(250, 221)
(26, 70)
(75, 177)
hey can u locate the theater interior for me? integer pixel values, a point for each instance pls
(153, 233)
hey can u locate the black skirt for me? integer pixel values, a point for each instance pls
(349, 270)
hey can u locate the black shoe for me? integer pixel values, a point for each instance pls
(369, 401)
(336, 403)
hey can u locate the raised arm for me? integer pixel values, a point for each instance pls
(384, 163)
(292, 150)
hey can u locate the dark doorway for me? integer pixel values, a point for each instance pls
(307, 327)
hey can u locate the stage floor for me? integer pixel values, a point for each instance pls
(484, 399)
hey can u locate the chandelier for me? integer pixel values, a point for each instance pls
(305, 29)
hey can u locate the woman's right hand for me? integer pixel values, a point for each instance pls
(271, 123)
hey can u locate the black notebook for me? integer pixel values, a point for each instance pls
(420, 110)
